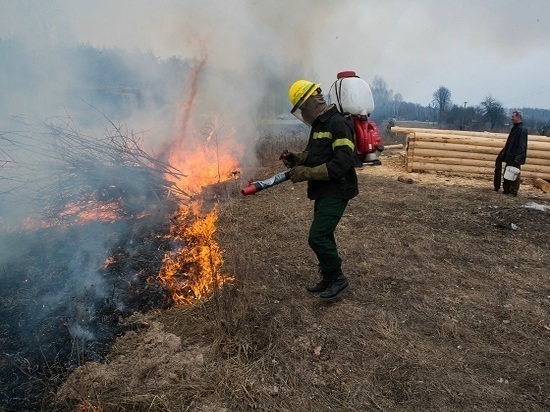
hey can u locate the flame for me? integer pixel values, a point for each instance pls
(78, 213)
(87, 406)
(194, 270)
(201, 155)
(109, 261)
(88, 211)
(203, 166)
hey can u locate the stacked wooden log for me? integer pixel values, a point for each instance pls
(457, 151)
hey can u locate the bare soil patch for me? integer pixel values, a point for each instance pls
(448, 309)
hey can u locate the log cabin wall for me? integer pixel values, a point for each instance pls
(457, 151)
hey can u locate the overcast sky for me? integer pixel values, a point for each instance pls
(474, 48)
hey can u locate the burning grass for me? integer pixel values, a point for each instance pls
(440, 316)
(192, 271)
(57, 317)
(115, 231)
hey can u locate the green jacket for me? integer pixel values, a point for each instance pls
(331, 141)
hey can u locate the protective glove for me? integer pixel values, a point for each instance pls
(291, 159)
(302, 173)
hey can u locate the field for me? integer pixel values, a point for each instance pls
(448, 309)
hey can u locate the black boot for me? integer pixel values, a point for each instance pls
(320, 286)
(337, 286)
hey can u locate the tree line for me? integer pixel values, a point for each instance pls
(490, 114)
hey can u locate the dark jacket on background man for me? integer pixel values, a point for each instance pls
(514, 152)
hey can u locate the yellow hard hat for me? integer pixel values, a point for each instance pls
(300, 91)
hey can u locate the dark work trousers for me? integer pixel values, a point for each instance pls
(327, 212)
(511, 186)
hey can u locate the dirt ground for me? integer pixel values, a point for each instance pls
(448, 309)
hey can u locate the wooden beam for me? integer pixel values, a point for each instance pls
(480, 156)
(494, 151)
(454, 161)
(490, 142)
(542, 185)
(398, 129)
(420, 167)
(422, 144)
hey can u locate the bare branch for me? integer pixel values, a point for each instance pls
(55, 163)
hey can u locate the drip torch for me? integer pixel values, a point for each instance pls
(281, 177)
(254, 187)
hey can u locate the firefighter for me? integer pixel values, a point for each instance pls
(327, 164)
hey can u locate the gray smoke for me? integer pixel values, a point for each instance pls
(130, 61)
(250, 51)
(473, 48)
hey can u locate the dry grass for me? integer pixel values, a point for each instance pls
(447, 310)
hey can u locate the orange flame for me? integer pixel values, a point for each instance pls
(88, 406)
(203, 167)
(193, 272)
(110, 260)
(78, 213)
(88, 211)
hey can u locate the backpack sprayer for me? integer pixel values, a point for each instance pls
(352, 97)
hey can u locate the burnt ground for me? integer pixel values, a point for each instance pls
(448, 309)
(61, 306)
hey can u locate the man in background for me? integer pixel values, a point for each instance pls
(513, 154)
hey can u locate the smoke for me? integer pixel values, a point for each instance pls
(168, 68)
(249, 47)
(161, 69)
(258, 48)
(140, 63)
(79, 291)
